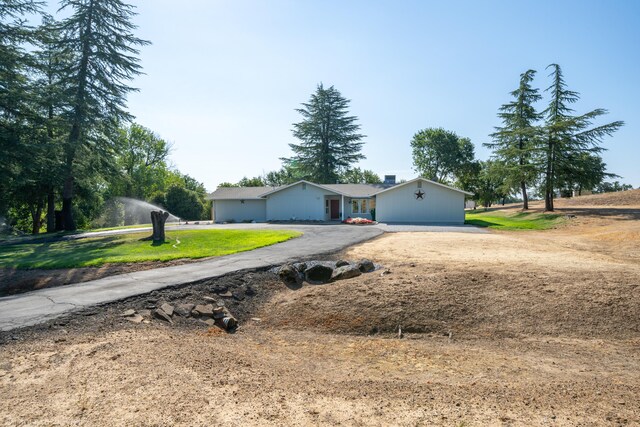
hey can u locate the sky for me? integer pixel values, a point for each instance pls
(223, 78)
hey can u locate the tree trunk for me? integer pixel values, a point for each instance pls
(67, 199)
(36, 218)
(158, 218)
(525, 198)
(548, 184)
(51, 211)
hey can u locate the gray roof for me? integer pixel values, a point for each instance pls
(357, 190)
(235, 193)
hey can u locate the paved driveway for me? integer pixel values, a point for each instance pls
(39, 306)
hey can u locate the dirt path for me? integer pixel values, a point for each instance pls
(519, 328)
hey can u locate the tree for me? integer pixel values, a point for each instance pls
(440, 155)
(251, 182)
(567, 136)
(491, 183)
(330, 141)
(98, 35)
(583, 171)
(288, 174)
(359, 176)
(184, 203)
(515, 142)
(610, 187)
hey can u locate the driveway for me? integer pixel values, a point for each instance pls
(39, 306)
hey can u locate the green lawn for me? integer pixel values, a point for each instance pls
(513, 221)
(93, 252)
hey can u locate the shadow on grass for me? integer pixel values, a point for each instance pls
(483, 223)
(56, 254)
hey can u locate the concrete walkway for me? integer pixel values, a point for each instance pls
(39, 306)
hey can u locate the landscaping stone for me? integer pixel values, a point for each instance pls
(300, 266)
(184, 310)
(219, 288)
(318, 274)
(136, 318)
(238, 295)
(128, 313)
(167, 308)
(203, 310)
(366, 265)
(227, 295)
(209, 322)
(345, 272)
(290, 275)
(210, 299)
(145, 313)
(341, 263)
(160, 314)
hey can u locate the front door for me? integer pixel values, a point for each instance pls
(335, 209)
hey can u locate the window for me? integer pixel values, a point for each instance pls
(326, 206)
(361, 206)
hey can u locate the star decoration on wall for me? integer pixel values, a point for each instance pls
(419, 195)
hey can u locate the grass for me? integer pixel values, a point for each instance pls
(123, 248)
(513, 221)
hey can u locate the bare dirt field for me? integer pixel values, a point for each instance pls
(506, 328)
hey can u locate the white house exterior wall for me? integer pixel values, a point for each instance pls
(228, 210)
(296, 203)
(439, 205)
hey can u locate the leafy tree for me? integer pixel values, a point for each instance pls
(330, 142)
(184, 203)
(515, 142)
(288, 174)
(440, 155)
(251, 182)
(583, 171)
(491, 183)
(142, 161)
(359, 176)
(98, 35)
(611, 187)
(227, 185)
(567, 136)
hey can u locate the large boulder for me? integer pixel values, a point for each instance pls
(345, 272)
(318, 274)
(289, 275)
(366, 265)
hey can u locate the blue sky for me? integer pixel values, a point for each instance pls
(223, 77)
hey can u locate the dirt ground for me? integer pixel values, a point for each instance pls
(506, 328)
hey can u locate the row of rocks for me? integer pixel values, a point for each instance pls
(319, 273)
(208, 313)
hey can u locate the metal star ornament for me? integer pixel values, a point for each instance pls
(419, 195)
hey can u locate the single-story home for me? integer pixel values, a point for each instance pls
(417, 201)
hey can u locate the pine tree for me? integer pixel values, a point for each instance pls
(98, 35)
(515, 142)
(567, 136)
(330, 141)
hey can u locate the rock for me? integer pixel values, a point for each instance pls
(136, 318)
(227, 295)
(203, 310)
(300, 266)
(128, 313)
(238, 295)
(385, 272)
(366, 266)
(290, 275)
(249, 291)
(209, 322)
(167, 308)
(229, 323)
(211, 300)
(219, 288)
(341, 263)
(256, 319)
(159, 314)
(145, 313)
(318, 274)
(345, 272)
(219, 312)
(184, 310)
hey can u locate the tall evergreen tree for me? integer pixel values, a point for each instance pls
(515, 141)
(330, 141)
(99, 36)
(567, 136)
